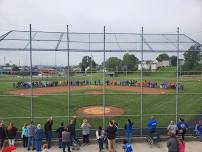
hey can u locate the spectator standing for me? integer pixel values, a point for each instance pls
(100, 138)
(72, 129)
(24, 135)
(182, 127)
(38, 134)
(66, 140)
(172, 127)
(128, 130)
(31, 142)
(181, 146)
(59, 134)
(151, 125)
(11, 132)
(85, 126)
(48, 131)
(2, 133)
(199, 128)
(172, 143)
(111, 135)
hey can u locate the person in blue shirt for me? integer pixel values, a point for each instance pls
(128, 130)
(24, 135)
(38, 133)
(127, 147)
(199, 128)
(182, 127)
(151, 125)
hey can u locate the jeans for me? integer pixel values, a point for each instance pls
(72, 137)
(25, 141)
(64, 146)
(100, 143)
(31, 142)
(128, 136)
(60, 143)
(200, 137)
(38, 145)
(48, 138)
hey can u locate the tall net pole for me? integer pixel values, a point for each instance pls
(177, 75)
(68, 75)
(103, 75)
(141, 96)
(30, 55)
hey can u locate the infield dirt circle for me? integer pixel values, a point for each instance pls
(98, 111)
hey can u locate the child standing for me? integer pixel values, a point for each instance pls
(25, 135)
(181, 146)
(7, 148)
(127, 147)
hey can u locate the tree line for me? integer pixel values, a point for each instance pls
(129, 62)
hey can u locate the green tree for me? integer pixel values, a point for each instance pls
(113, 64)
(130, 61)
(15, 67)
(173, 60)
(87, 62)
(192, 58)
(162, 57)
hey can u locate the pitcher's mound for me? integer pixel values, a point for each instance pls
(98, 111)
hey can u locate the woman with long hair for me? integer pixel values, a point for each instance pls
(11, 132)
(100, 137)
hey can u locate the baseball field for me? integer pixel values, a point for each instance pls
(123, 101)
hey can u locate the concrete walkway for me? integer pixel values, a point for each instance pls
(191, 146)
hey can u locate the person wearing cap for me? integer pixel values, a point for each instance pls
(172, 127)
(151, 125)
(182, 127)
(38, 133)
(2, 133)
(48, 131)
(111, 136)
(72, 129)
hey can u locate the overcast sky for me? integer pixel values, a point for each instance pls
(156, 16)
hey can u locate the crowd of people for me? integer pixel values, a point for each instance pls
(43, 83)
(32, 135)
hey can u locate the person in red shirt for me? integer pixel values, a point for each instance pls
(181, 145)
(7, 148)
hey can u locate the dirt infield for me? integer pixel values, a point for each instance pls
(49, 90)
(93, 92)
(98, 111)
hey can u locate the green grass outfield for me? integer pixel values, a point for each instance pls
(56, 105)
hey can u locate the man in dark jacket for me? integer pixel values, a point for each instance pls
(2, 133)
(48, 131)
(72, 129)
(111, 135)
(59, 133)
